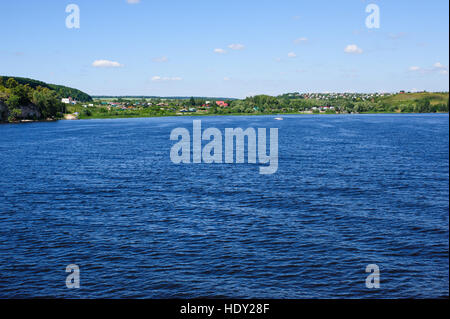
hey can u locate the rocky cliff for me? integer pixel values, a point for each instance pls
(29, 112)
(3, 112)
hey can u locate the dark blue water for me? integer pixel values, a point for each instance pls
(103, 194)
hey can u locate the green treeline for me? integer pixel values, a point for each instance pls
(416, 103)
(27, 99)
(291, 103)
(62, 91)
(22, 101)
(423, 102)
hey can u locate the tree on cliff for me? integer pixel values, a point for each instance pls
(11, 83)
(43, 102)
(47, 102)
(14, 115)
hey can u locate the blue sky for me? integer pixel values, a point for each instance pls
(227, 48)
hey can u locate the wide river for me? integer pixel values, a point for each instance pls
(350, 191)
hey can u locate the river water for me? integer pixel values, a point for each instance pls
(350, 190)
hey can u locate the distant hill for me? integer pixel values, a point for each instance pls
(62, 91)
(161, 97)
(434, 97)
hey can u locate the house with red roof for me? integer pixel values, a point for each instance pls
(222, 103)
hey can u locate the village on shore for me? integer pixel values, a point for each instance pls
(292, 103)
(23, 99)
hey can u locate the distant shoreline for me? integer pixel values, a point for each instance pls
(237, 114)
(30, 121)
(192, 115)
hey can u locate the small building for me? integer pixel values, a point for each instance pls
(222, 103)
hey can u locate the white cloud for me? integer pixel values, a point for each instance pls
(353, 49)
(226, 78)
(158, 78)
(133, 1)
(219, 51)
(292, 55)
(300, 40)
(440, 68)
(437, 67)
(236, 46)
(161, 59)
(106, 64)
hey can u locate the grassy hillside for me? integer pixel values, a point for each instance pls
(62, 91)
(435, 98)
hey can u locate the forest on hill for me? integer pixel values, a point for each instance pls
(25, 102)
(62, 91)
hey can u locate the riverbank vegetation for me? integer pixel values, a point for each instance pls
(22, 102)
(27, 99)
(24, 99)
(291, 103)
